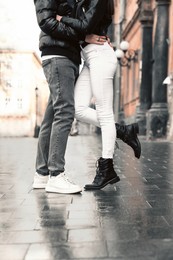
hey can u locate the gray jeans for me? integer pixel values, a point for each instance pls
(61, 74)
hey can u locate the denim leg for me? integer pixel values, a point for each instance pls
(44, 139)
(61, 74)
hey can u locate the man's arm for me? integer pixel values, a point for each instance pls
(46, 18)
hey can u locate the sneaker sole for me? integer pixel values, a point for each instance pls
(39, 186)
(55, 190)
(116, 179)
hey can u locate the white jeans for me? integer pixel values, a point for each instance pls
(96, 80)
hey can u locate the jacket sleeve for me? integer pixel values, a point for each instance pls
(93, 15)
(46, 18)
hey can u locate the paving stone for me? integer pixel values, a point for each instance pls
(131, 220)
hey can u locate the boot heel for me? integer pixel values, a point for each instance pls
(136, 128)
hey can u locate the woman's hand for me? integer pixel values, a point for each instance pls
(95, 39)
(109, 41)
(58, 17)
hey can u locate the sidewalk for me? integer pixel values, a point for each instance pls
(132, 220)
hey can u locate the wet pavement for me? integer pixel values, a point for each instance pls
(132, 220)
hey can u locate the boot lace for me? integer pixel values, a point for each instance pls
(98, 173)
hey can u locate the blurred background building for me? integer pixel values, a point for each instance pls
(139, 93)
(23, 88)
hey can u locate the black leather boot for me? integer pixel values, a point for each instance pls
(105, 174)
(128, 134)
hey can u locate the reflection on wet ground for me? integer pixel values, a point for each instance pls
(130, 221)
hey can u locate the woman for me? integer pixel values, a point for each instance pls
(96, 79)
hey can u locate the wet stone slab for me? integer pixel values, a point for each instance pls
(129, 221)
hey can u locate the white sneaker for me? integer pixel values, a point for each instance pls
(61, 184)
(40, 181)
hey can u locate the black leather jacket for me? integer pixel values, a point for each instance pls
(56, 38)
(91, 17)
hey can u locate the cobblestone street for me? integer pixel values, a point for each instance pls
(132, 220)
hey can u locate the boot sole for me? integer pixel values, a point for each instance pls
(135, 132)
(138, 155)
(114, 180)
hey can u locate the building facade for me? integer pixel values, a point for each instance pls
(23, 93)
(140, 94)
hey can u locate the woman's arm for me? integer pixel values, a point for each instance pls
(93, 15)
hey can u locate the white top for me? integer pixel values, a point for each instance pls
(46, 57)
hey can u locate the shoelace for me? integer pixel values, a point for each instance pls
(67, 179)
(98, 173)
